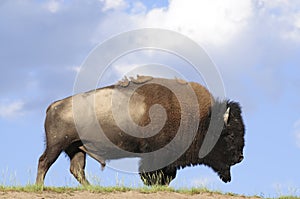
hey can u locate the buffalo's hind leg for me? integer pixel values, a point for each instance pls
(45, 162)
(77, 164)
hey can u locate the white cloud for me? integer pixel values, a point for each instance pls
(11, 109)
(113, 4)
(138, 8)
(53, 6)
(294, 32)
(242, 37)
(215, 22)
(284, 15)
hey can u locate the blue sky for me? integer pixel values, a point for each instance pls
(254, 43)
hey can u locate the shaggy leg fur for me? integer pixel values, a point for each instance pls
(160, 177)
(45, 161)
(77, 164)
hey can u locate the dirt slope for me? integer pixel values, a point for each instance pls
(115, 195)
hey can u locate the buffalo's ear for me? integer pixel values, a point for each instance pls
(226, 116)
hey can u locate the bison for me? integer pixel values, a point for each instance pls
(144, 92)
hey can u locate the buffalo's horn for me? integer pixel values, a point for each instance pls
(226, 115)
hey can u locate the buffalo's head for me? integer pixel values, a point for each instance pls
(228, 150)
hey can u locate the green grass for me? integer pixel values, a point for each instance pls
(288, 197)
(94, 189)
(101, 189)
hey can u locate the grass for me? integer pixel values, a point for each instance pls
(97, 189)
(101, 189)
(31, 188)
(288, 197)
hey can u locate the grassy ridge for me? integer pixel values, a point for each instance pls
(100, 189)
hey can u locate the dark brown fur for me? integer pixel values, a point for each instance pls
(61, 135)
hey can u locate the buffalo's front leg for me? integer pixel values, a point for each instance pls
(160, 177)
